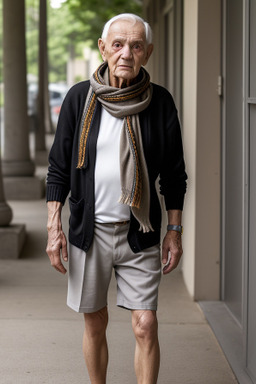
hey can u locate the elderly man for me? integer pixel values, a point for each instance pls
(116, 134)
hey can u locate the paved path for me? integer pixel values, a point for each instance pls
(40, 338)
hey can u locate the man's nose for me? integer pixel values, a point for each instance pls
(126, 52)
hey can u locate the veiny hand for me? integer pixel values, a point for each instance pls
(171, 243)
(57, 245)
(57, 242)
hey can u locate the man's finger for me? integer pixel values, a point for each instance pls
(168, 268)
(59, 266)
(55, 260)
(165, 254)
(173, 263)
(64, 250)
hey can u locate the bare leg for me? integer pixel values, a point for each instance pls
(147, 352)
(95, 345)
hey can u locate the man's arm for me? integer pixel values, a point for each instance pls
(57, 243)
(172, 242)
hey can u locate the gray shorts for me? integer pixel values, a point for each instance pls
(137, 275)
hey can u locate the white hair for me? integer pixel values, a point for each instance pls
(130, 17)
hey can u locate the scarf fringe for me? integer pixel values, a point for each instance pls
(127, 199)
(145, 225)
(145, 228)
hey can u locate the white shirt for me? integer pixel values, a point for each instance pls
(107, 172)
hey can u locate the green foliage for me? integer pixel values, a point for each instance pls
(78, 23)
(32, 22)
(95, 13)
(72, 26)
(64, 34)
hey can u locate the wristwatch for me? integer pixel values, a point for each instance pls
(177, 228)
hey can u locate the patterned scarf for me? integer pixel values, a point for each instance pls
(123, 103)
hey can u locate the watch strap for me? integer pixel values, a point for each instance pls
(177, 228)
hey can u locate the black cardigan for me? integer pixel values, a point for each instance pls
(163, 152)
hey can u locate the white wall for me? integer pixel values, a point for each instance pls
(201, 134)
(189, 138)
(201, 127)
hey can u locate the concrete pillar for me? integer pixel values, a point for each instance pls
(12, 237)
(5, 209)
(16, 157)
(17, 166)
(43, 110)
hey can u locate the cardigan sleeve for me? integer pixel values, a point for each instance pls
(172, 175)
(60, 156)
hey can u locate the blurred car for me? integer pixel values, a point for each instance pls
(57, 92)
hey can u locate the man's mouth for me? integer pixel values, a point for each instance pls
(124, 66)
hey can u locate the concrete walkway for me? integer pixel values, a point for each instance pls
(40, 338)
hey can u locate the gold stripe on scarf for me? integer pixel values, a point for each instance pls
(85, 131)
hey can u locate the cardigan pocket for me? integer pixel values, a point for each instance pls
(76, 218)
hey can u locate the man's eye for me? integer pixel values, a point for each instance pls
(117, 45)
(137, 46)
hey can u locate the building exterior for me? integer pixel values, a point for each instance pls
(205, 54)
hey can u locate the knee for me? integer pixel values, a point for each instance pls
(145, 324)
(96, 323)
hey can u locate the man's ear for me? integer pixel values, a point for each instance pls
(101, 46)
(149, 52)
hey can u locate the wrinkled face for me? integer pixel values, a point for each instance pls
(126, 50)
